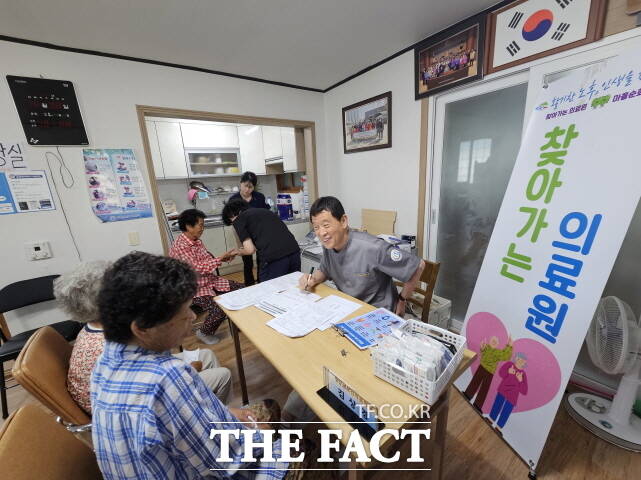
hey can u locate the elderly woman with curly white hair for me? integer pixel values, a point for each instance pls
(77, 294)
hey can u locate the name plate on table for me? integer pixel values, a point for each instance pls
(352, 407)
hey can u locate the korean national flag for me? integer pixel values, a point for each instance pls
(538, 25)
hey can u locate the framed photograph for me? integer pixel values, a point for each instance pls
(367, 125)
(450, 58)
(529, 29)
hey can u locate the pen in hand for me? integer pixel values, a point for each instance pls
(309, 277)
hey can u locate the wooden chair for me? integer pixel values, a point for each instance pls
(376, 222)
(422, 297)
(18, 295)
(33, 445)
(41, 368)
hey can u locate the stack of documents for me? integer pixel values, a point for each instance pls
(245, 297)
(308, 316)
(282, 302)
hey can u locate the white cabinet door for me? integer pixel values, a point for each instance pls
(250, 140)
(288, 138)
(154, 149)
(172, 152)
(272, 142)
(214, 240)
(209, 136)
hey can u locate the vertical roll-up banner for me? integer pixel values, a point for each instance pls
(572, 194)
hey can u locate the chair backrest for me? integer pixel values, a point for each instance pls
(376, 222)
(33, 445)
(429, 276)
(22, 294)
(41, 368)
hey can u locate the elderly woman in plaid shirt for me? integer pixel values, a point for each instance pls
(190, 249)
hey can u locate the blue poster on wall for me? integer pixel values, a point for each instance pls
(6, 199)
(116, 188)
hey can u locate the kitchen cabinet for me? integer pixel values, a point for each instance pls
(154, 149)
(250, 140)
(209, 136)
(172, 153)
(293, 148)
(214, 240)
(272, 142)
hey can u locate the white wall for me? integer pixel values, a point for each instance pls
(108, 91)
(385, 179)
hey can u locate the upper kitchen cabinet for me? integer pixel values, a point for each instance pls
(250, 139)
(293, 149)
(209, 136)
(154, 149)
(172, 153)
(272, 143)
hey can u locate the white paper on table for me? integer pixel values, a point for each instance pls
(335, 309)
(191, 355)
(282, 302)
(245, 297)
(308, 316)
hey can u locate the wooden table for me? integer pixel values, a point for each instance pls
(300, 361)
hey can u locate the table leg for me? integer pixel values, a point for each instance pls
(239, 361)
(439, 437)
(355, 472)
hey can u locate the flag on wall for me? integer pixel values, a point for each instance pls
(536, 26)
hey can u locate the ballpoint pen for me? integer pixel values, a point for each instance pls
(309, 277)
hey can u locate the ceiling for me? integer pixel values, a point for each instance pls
(310, 43)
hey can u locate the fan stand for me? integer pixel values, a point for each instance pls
(612, 421)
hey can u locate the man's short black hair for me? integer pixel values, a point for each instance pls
(249, 177)
(189, 217)
(143, 288)
(330, 204)
(233, 209)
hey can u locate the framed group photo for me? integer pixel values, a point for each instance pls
(529, 29)
(450, 58)
(367, 125)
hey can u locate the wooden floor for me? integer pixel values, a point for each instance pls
(473, 450)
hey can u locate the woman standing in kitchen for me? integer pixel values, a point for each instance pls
(255, 199)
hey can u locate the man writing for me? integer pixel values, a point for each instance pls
(360, 264)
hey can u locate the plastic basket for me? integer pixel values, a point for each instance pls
(423, 389)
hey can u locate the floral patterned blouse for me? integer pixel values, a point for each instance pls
(88, 347)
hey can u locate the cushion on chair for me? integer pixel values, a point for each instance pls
(42, 367)
(33, 445)
(10, 349)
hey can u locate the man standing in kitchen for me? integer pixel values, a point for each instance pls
(190, 249)
(254, 199)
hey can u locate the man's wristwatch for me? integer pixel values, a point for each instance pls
(402, 298)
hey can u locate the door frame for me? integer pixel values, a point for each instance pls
(437, 133)
(309, 129)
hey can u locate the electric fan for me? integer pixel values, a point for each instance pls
(614, 342)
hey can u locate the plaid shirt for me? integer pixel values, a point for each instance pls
(195, 254)
(152, 416)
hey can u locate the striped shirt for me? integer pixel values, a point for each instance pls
(195, 254)
(152, 416)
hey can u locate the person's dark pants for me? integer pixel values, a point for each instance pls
(248, 270)
(480, 383)
(280, 267)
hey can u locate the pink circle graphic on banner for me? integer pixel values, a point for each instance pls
(542, 371)
(537, 25)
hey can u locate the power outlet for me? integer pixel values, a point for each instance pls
(37, 251)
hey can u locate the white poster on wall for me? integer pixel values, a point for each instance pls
(570, 200)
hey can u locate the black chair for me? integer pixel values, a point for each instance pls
(22, 294)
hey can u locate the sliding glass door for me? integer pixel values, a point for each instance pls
(477, 137)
